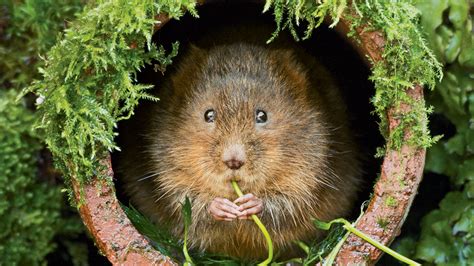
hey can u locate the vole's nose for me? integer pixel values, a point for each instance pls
(234, 156)
(234, 164)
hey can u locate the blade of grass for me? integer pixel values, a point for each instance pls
(187, 222)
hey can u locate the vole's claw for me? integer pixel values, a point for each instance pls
(249, 205)
(245, 198)
(223, 209)
(247, 214)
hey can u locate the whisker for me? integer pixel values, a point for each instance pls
(148, 176)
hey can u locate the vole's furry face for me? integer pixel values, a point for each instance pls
(247, 110)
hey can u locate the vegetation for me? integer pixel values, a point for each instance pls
(350, 228)
(406, 60)
(31, 205)
(88, 82)
(27, 222)
(447, 233)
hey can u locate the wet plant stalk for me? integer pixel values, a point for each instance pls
(260, 226)
(349, 227)
(385, 249)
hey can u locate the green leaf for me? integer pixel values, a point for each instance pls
(186, 210)
(160, 236)
(322, 225)
(465, 224)
(436, 159)
(432, 250)
(454, 46)
(456, 145)
(458, 12)
(466, 170)
(406, 246)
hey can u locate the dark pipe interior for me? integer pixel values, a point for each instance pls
(326, 45)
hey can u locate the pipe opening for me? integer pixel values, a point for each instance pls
(331, 49)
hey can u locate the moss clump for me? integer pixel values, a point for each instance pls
(406, 60)
(391, 201)
(29, 209)
(382, 222)
(88, 82)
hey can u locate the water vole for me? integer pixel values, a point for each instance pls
(270, 118)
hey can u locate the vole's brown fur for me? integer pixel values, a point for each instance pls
(302, 163)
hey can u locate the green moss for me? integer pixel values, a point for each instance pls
(382, 222)
(401, 182)
(391, 201)
(31, 209)
(88, 81)
(406, 60)
(28, 29)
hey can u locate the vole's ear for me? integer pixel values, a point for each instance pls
(194, 49)
(188, 69)
(296, 74)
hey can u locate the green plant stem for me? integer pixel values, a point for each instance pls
(349, 227)
(303, 246)
(261, 226)
(187, 221)
(332, 256)
(189, 261)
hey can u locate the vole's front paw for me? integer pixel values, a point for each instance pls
(224, 210)
(249, 204)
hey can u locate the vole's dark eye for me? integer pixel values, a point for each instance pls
(260, 116)
(210, 115)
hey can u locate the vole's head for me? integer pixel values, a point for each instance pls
(238, 112)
